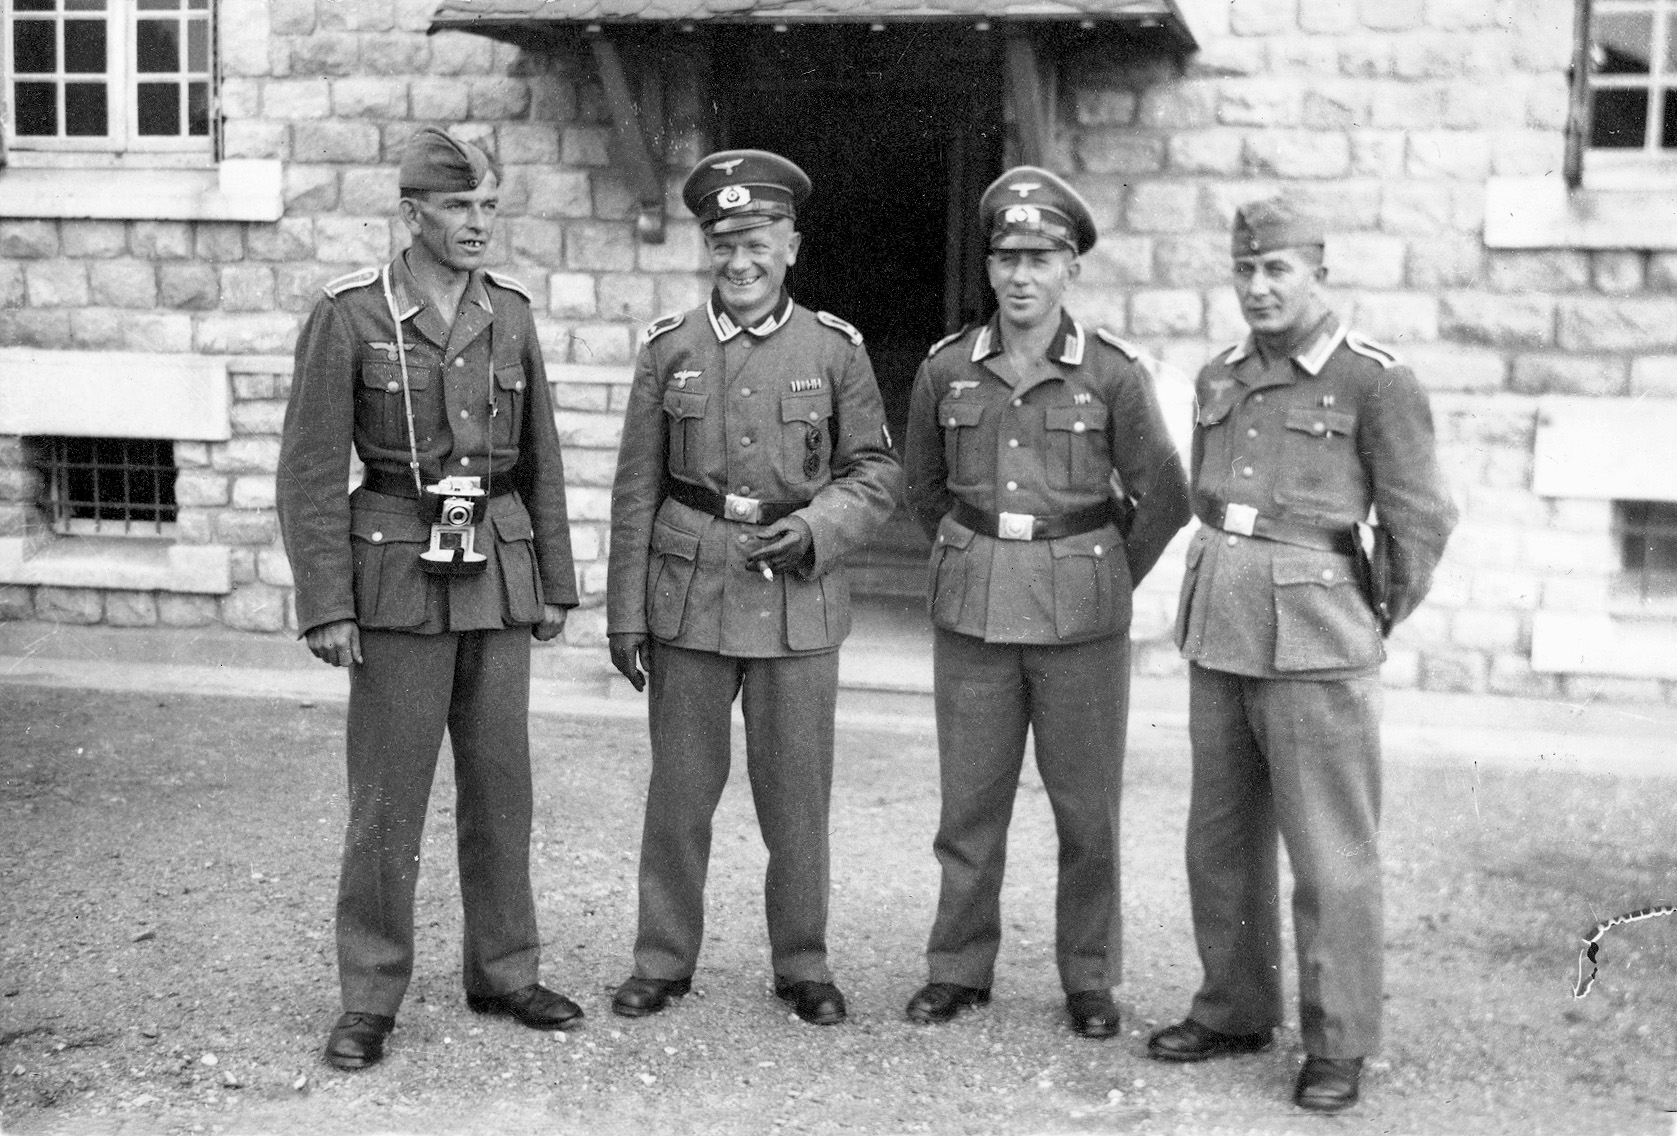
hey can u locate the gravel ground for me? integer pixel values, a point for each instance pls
(168, 863)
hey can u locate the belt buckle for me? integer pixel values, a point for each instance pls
(1016, 526)
(746, 509)
(1241, 519)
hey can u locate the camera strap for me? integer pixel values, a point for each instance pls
(407, 395)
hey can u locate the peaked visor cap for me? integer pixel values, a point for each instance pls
(742, 189)
(1027, 201)
(1273, 223)
(441, 163)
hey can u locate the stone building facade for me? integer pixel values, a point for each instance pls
(1430, 134)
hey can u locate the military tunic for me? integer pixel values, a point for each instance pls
(1288, 455)
(439, 653)
(785, 411)
(1034, 633)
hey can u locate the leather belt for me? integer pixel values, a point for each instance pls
(1244, 520)
(401, 484)
(732, 507)
(1027, 526)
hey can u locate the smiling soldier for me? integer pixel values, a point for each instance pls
(1016, 428)
(1300, 430)
(428, 581)
(754, 456)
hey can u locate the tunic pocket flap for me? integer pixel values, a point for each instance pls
(1077, 419)
(1321, 422)
(667, 540)
(1094, 544)
(957, 412)
(387, 377)
(1325, 570)
(1196, 548)
(1211, 413)
(510, 376)
(952, 533)
(812, 407)
(685, 404)
(514, 526)
(383, 528)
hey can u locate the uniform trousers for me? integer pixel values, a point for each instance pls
(1303, 759)
(476, 684)
(1075, 700)
(788, 703)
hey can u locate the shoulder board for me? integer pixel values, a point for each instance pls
(1379, 353)
(1129, 349)
(659, 326)
(946, 341)
(840, 326)
(509, 283)
(360, 278)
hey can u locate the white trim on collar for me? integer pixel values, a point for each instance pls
(981, 344)
(1072, 356)
(1315, 357)
(720, 322)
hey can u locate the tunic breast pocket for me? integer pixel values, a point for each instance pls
(1319, 459)
(963, 452)
(806, 444)
(509, 404)
(380, 409)
(1078, 453)
(686, 412)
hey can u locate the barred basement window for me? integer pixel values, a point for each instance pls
(1647, 535)
(108, 486)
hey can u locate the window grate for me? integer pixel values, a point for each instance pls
(1647, 533)
(109, 486)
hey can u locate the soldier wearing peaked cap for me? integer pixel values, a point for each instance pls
(428, 367)
(1016, 430)
(754, 457)
(1302, 430)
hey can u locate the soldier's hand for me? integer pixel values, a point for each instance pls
(629, 654)
(553, 622)
(789, 543)
(337, 643)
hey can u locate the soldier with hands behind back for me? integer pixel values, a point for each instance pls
(428, 581)
(1016, 429)
(754, 456)
(1300, 431)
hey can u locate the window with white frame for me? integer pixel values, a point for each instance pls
(1632, 76)
(131, 78)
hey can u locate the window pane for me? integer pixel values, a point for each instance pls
(1621, 43)
(198, 109)
(84, 5)
(157, 45)
(36, 108)
(34, 47)
(198, 5)
(159, 106)
(1668, 120)
(1620, 119)
(32, 5)
(198, 46)
(84, 47)
(84, 110)
(159, 5)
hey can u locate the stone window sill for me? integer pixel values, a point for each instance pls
(113, 394)
(1565, 642)
(241, 189)
(1539, 212)
(132, 564)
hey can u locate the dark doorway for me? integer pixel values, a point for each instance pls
(900, 130)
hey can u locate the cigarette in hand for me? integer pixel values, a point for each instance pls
(768, 573)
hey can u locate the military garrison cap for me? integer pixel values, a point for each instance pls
(742, 189)
(1027, 201)
(440, 162)
(1273, 223)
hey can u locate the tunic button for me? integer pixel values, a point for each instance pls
(1097, 550)
(745, 441)
(1257, 398)
(1246, 471)
(1327, 575)
(1013, 443)
(465, 462)
(1018, 402)
(745, 392)
(378, 536)
(1318, 427)
(1078, 427)
(742, 538)
(1012, 485)
(519, 385)
(1233, 540)
(393, 386)
(1251, 431)
(465, 414)
(744, 489)
(814, 416)
(460, 361)
(951, 423)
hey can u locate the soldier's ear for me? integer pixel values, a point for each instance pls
(408, 210)
(1074, 268)
(792, 243)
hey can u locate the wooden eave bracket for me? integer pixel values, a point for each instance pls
(644, 167)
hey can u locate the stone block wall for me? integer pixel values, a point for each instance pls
(1388, 119)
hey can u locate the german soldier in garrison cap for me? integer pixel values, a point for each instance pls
(1303, 431)
(428, 581)
(754, 457)
(1016, 430)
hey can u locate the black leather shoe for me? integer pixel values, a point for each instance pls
(941, 1001)
(357, 1040)
(818, 1003)
(1187, 1040)
(535, 1006)
(638, 997)
(1328, 1084)
(1092, 1013)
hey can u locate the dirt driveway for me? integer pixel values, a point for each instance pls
(167, 868)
